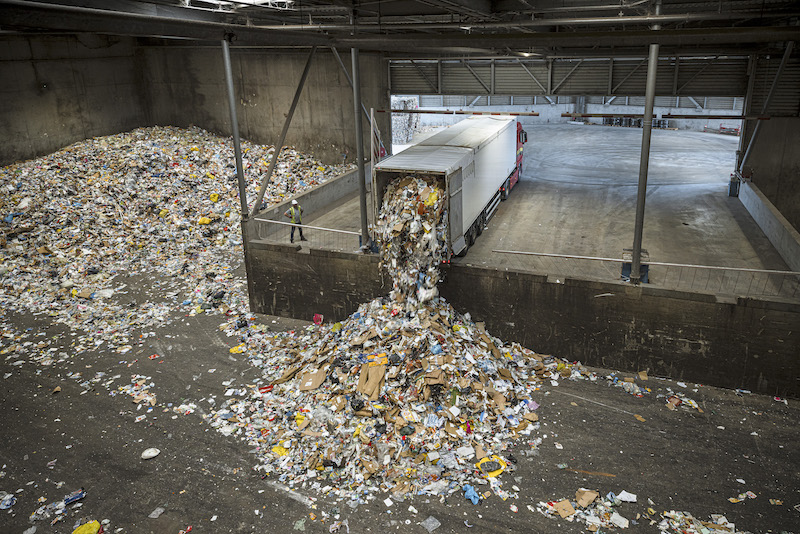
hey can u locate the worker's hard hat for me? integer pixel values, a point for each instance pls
(294, 203)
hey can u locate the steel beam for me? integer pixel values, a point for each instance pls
(644, 161)
(631, 73)
(237, 145)
(279, 146)
(564, 79)
(424, 76)
(475, 74)
(362, 177)
(521, 64)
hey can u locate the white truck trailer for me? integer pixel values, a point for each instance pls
(479, 159)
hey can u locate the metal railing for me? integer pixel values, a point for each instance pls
(280, 232)
(731, 281)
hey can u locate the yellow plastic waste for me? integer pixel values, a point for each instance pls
(93, 527)
(238, 349)
(204, 220)
(163, 213)
(432, 198)
(336, 327)
(280, 451)
(493, 458)
(214, 197)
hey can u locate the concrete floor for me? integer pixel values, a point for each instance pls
(577, 196)
(86, 436)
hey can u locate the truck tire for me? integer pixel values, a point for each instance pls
(471, 236)
(506, 184)
(481, 223)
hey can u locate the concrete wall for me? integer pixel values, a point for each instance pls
(749, 344)
(774, 164)
(56, 90)
(186, 85)
(780, 233)
(316, 200)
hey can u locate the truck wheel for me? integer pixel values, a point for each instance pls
(471, 236)
(506, 184)
(481, 223)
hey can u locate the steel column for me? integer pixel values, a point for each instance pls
(237, 145)
(785, 59)
(279, 145)
(237, 150)
(362, 177)
(647, 124)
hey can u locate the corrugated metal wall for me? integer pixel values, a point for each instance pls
(786, 100)
(725, 77)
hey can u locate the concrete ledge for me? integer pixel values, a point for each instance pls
(742, 343)
(315, 201)
(778, 230)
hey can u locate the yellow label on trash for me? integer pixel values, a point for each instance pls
(163, 213)
(378, 359)
(214, 197)
(238, 349)
(204, 220)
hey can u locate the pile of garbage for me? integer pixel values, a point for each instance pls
(414, 402)
(90, 233)
(404, 125)
(589, 508)
(412, 229)
(406, 395)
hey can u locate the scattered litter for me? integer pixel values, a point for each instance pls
(150, 453)
(685, 523)
(155, 514)
(92, 527)
(300, 525)
(431, 524)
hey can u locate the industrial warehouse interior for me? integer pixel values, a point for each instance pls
(399, 266)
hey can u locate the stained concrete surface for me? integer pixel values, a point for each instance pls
(577, 196)
(683, 460)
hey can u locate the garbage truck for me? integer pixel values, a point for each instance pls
(480, 159)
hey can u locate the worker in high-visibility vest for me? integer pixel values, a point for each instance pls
(295, 214)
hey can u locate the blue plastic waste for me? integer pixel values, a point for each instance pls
(471, 494)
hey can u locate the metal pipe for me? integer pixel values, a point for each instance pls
(362, 177)
(657, 263)
(535, 23)
(334, 230)
(279, 146)
(784, 60)
(237, 145)
(647, 124)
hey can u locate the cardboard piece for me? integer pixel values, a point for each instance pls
(313, 379)
(564, 509)
(338, 403)
(585, 497)
(288, 374)
(642, 375)
(371, 380)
